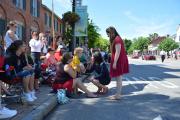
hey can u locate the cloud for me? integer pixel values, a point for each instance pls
(145, 26)
(132, 17)
(161, 29)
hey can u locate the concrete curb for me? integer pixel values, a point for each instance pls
(40, 112)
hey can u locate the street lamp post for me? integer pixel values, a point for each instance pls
(73, 42)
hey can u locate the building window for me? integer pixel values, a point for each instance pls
(20, 4)
(56, 25)
(49, 21)
(35, 8)
(19, 31)
(2, 26)
(47, 18)
(61, 28)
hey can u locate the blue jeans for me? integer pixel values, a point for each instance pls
(24, 73)
(36, 59)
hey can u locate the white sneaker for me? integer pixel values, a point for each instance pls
(33, 95)
(28, 97)
(7, 113)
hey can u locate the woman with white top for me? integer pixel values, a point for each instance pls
(10, 35)
(36, 46)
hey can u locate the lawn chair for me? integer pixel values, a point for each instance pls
(14, 85)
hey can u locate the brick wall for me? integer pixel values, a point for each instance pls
(8, 11)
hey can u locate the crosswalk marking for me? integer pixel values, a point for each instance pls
(171, 85)
(149, 83)
(163, 83)
(155, 82)
(131, 83)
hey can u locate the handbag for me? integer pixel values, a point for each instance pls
(61, 96)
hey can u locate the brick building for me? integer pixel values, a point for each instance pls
(29, 15)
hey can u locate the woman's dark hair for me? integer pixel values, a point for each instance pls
(98, 58)
(15, 46)
(34, 33)
(66, 57)
(112, 30)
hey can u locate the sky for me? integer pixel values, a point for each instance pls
(131, 18)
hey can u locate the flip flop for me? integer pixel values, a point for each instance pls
(88, 96)
(114, 97)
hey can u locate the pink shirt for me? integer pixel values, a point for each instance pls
(50, 60)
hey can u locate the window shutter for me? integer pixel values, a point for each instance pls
(14, 2)
(23, 33)
(57, 26)
(24, 4)
(31, 7)
(45, 18)
(2, 26)
(38, 8)
(50, 21)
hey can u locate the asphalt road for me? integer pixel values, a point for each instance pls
(151, 88)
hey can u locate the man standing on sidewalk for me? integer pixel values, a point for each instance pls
(163, 53)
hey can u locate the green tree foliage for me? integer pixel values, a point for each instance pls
(93, 34)
(140, 43)
(168, 44)
(68, 36)
(127, 44)
(102, 43)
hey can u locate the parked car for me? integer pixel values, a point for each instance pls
(148, 57)
(135, 57)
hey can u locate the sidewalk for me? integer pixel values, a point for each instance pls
(41, 107)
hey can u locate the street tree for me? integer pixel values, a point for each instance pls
(168, 45)
(102, 43)
(141, 44)
(93, 34)
(127, 44)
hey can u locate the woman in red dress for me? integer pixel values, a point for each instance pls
(119, 61)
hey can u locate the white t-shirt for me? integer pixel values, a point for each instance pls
(162, 53)
(36, 45)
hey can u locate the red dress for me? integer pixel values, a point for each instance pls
(122, 63)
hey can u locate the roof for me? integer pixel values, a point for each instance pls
(45, 7)
(158, 40)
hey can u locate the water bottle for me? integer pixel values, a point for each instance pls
(7, 68)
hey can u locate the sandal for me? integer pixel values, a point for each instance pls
(92, 96)
(115, 97)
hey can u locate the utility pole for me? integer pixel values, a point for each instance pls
(53, 32)
(73, 42)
